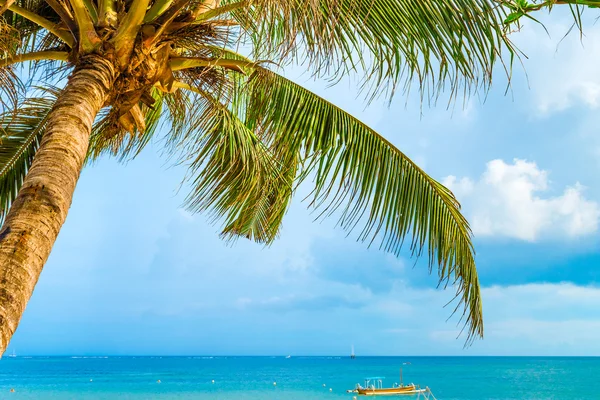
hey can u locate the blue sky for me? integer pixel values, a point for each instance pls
(133, 273)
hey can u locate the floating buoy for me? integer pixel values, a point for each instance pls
(330, 389)
(158, 381)
(213, 381)
(324, 385)
(91, 380)
(274, 383)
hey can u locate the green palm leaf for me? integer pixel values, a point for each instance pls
(233, 173)
(274, 134)
(260, 215)
(10, 84)
(430, 42)
(20, 135)
(32, 36)
(364, 178)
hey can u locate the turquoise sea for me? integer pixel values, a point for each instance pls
(252, 378)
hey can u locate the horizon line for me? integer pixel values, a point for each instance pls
(7, 355)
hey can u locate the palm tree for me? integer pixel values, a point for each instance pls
(104, 75)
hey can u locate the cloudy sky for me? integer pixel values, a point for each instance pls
(133, 273)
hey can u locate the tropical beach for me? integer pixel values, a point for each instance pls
(279, 199)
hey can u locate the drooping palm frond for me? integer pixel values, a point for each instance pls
(259, 216)
(233, 174)
(369, 180)
(20, 135)
(251, 192)
(357, 174)
(431, 42)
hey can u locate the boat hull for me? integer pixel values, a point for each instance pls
(390, 391)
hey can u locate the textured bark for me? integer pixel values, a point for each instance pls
(41, 207)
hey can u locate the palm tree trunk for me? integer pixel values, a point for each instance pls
(41, 207)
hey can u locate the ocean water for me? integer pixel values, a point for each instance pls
(252, 378)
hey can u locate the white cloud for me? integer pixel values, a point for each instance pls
(507, 201)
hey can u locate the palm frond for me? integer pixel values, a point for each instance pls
(232, 173)
(193, 39)
(20, 135)
(357, 174)
(258, 217)
(238, 180)
(434, 43)
(261, 213)
(20, 38)
(40, 27)
(369, 182)
(10, 85)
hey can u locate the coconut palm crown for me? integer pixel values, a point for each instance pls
(104, 75)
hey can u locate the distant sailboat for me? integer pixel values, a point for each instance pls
(13, 354)
(352, 356)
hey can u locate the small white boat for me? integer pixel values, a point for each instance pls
(288, 356)
(12, 355)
